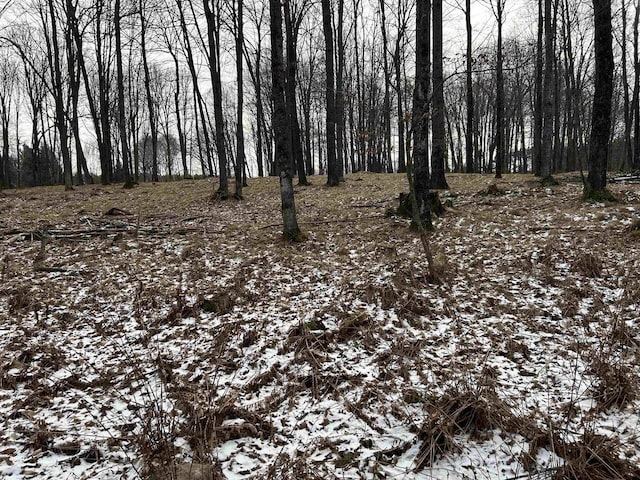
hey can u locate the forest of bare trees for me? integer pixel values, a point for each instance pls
(139, 90)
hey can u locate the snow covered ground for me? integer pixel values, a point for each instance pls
(187, 339)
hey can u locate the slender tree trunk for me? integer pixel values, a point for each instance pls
(333, 172)
(500, 123)
(280, 126)
(213, 35)
(470, 106)
(147, 87)
(538, 107)
(53, 47)
(124, 146)
(636, 91)
(626, 158)
(240, 161)
(439, 135)
(291, 28)
(547, 130)
(339, 103)
(386, 107)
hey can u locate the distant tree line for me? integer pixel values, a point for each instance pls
(161, 88)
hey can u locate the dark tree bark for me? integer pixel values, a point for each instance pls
(292, 28)
(53, 49)
(500, 124)
(240, 160)
(198, 108)
(122, 123)
(386, 106)
(280, 126)
(420, 124)
(470, 103)
(147, 87)
(439, 133)
(339, 102)
(106, 147)
(213, 36)
(636, 91)
(627, 159)
(177, 105)
(603, 91)
(333, 174)
(538, 106)
(547, 102)
(75, 65)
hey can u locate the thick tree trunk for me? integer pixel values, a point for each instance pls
(280, 126)
(333, 173)
(603, 91)
(439, 141)
(421, 113)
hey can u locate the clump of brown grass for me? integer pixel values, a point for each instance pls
(19, 299)
(459, 410)
(615, 385)
(595, 457)
(588, 265)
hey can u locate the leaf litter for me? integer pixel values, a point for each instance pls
(187, 339)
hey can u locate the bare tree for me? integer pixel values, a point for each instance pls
(438, 146)
(280, 126)
(420, 124)
(601, 112)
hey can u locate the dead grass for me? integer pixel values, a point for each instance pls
(241, 331)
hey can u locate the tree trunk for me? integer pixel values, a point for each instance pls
(470, 105)
(280, 126)
(122, 126)
(333, 173)
(53, 48)
(439, 140)
(291, 28)
(547, 129)
(240, 160)
(421, 113)
(213, 36)
(603, 91)
(538, 107)
(500, 126)
(626, 158)
(386, 107)
(147, 87)
(636, 91)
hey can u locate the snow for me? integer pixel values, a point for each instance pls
(333, 352)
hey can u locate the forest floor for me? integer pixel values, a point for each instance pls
(153, 333)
